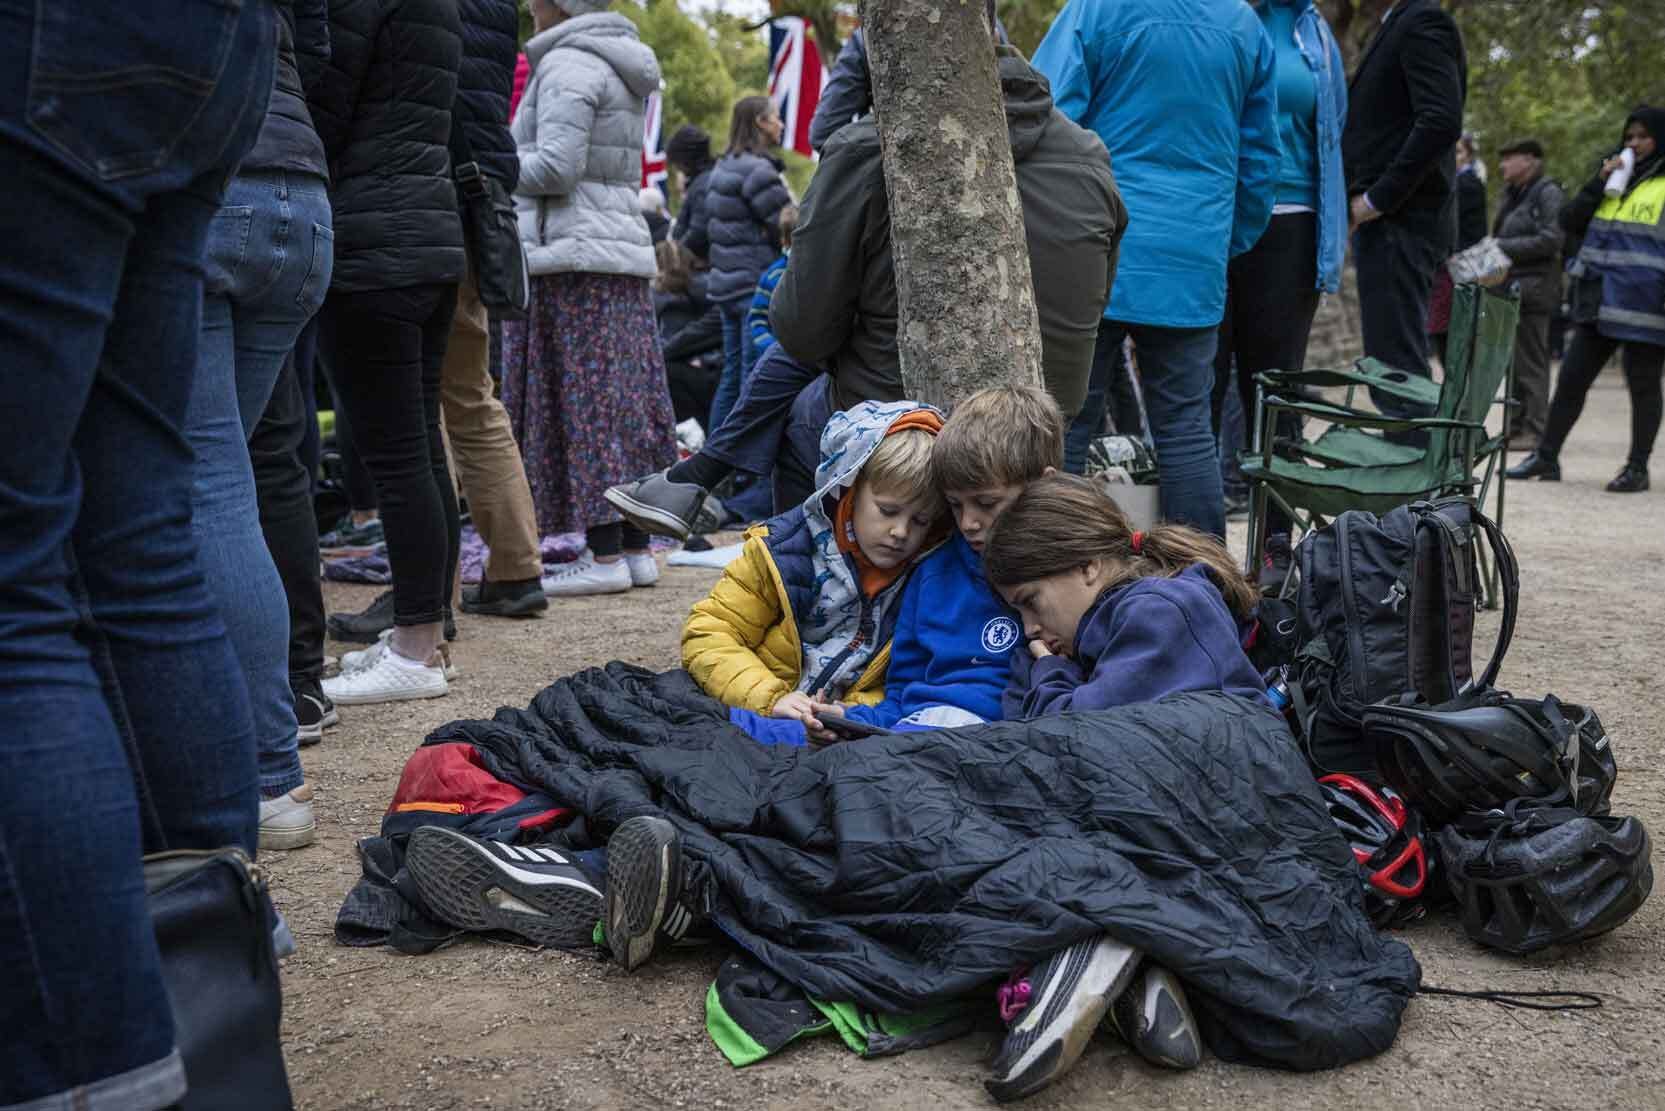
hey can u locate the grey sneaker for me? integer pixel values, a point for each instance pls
(1153, 1017)
(1069, 994)
(647, 903)
(656, 504)
(286, 822)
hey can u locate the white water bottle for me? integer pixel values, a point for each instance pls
(1620, 178)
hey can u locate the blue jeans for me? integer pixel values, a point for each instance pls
(118, 136)
(270, 250)
(1176, 371)
(737, 361)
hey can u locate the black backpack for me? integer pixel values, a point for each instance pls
(1386, 611)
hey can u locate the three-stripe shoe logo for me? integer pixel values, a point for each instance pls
(677, 922)
(505, 857)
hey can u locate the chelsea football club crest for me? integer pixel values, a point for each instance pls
(999, 635)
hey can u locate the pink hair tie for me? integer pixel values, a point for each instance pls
(1138, 542)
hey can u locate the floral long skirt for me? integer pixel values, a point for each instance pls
(584, 383)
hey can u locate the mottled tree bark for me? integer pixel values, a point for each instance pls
(965, 297)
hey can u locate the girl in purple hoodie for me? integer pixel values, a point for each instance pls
(1114, 615)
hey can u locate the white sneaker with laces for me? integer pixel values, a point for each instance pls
(286, 822)
(587, 576)
(388, 679)
(644, 569)
(366, 657)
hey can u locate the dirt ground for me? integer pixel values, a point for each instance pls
(479, 1025)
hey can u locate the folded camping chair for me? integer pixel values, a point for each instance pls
(1351, 465)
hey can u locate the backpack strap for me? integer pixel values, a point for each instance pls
(1509, 581)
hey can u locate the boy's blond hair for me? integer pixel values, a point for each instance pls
(996, 437)
(901, 467)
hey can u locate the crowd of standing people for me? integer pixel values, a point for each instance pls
(265, 196)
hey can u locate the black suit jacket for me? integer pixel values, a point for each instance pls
(1405, 115)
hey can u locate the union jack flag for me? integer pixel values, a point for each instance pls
(794, 79)
(653, 144)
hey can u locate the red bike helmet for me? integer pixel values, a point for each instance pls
(1386, 838)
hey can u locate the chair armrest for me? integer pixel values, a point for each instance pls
(1337, 414)
(1366, 372)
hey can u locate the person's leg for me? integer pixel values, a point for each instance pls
(436, 330)
(106, 629)
(750, 438)
(290, 527)
(269, 261)
(1224, 364)
(1275, 303)
(1396, 273)
(1531, 376)
(1643, 363)
(361, 488)
(734, 353)
(489, 467)
(305, 363)
(1122, 396)
(1587, 352)
(1106, 361)
(379, 377)
(800, 452)
(1178, 366)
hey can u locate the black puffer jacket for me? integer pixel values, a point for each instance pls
(693, 222)
(383, 110)
(741, 219)
(287, 139)
(490, 30)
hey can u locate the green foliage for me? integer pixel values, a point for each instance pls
(1027, 21)
(698, 86)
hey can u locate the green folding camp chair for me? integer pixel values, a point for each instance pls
(1351, 465)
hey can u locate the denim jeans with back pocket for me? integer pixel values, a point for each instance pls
(270, 250)
(119, 129)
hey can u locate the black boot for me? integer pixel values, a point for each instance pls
(364, 627)
(1537, 465)
(521, 598)
(1631, 480)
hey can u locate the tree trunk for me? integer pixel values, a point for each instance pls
(965, 299)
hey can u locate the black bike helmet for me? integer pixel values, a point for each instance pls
(1533, 875)
(1386, 838)
(1483, 749)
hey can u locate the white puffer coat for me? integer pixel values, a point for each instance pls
(578, 132)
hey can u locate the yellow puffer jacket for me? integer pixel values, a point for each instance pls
(741, 642)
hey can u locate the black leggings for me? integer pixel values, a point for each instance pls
(1271, 298)
(389, 347)
(1587, 352)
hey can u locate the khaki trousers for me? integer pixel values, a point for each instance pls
(483, 449)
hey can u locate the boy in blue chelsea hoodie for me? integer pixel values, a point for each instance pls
(951, 651)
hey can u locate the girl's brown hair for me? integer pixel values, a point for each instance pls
(672, 275)
(744, 136)
(1063, 521)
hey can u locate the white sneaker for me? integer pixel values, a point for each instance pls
(387, 678)
(585, 576)
(366, 657)
(286, 822)
(644, 569)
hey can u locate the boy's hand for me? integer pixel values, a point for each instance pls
(800, 707)
(1038, 649)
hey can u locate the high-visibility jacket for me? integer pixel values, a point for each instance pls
(1625, 246)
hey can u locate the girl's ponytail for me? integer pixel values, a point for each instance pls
(1063, 521)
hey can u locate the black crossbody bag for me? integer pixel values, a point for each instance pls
(491, 232)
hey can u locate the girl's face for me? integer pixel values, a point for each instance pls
(1638, 140)
(1051, 609)
(771, 127)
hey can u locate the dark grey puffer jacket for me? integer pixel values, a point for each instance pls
(836, 302)
(740, 219)
(288, 141)
(383, 110)
(1529, 232)
(490, 38)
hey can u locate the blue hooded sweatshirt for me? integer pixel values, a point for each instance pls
(953, 641)
(1139, 643)
(1184, 95)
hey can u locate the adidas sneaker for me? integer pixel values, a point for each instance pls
(646, 901)
(535, 891)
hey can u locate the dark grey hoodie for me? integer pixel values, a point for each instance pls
(836, 303)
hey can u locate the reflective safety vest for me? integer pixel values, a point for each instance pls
(1625, 245)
